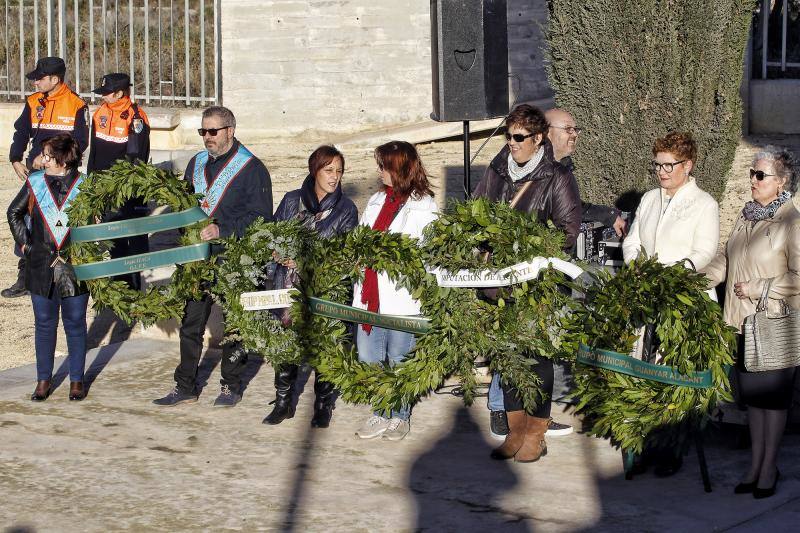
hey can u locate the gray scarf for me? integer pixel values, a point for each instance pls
(517, 172)
(754, 211)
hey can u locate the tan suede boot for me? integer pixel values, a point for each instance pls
(534, 445)
(515, 437)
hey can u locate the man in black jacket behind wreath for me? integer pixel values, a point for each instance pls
(238, 190)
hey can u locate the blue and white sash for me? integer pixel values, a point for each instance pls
(53, 214)
(220, 183)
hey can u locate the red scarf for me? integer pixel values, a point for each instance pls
(369, 290)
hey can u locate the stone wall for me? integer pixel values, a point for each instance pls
(343, 66)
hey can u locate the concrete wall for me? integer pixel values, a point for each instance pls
(345, 66)
(774, 106)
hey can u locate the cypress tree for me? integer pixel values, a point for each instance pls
(631, 71)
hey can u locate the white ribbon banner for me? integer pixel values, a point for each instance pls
(506, 276)
(259, 301)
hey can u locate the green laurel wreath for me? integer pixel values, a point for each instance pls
(463, 326)
(109, 190)
(244, 269)
(636, 412)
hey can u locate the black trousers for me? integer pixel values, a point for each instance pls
(286, 376)
(193, 326)
(544, 369)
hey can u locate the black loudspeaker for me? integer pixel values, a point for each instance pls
(469, 56)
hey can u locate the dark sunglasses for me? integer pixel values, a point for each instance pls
(518, 137)
(758, 174)
(211, 131)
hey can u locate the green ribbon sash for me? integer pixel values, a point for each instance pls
(624, 364)
(137, 226)
(409, 324)
(137, 263)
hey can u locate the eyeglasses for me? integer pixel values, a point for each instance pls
(48, 157)
(667, 167)
(759, 174)
(518, 137)
(572, 130)
(211, 131)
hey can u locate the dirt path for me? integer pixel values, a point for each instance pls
(287, 164)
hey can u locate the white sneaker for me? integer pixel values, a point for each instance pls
(554, 429)
(375, 426)
(397, 429)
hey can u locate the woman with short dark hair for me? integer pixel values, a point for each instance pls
(321, 205)
(50, 277)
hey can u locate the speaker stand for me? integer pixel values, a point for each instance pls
(467, 177)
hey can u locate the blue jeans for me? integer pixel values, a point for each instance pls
(73, 313)
(385, 346)
(495, 396)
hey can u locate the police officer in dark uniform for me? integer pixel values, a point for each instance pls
(236, 189)
(120, 131)
(53, 109)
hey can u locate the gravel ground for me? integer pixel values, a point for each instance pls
(287, 164)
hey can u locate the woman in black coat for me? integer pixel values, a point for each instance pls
(318, 204)
(49, 275)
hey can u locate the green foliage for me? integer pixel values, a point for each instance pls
(692, 335)
(108, 191)
(242, 269)
(632, 71)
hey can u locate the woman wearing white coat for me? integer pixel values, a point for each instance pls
(405, 205)
(678, 220)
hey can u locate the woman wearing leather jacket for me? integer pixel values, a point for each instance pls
(526, 175)
(49, 275)
(318, 204)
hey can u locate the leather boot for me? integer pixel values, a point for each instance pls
(18, 288)
(42, 390)
(76, 391)
(283, 410)
(534, 445)
(323, 403)
(514, 438)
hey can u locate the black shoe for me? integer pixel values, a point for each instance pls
(322, 415)
(283, 410)
(669, 467)
(16, 290)
(76, 391)
(745, 488)
(227, 397)
(175, 397)
(498, 424)
(760, 494)
(554, 429)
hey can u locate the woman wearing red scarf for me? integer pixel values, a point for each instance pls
(405, 205)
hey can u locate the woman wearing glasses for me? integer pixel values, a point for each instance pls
(677, 221)
(49, 275)
(764, 246)
(525, 175)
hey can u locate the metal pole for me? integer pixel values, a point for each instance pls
(116, 35)
(783, 35)
(131, 46)
(172, 49)
(77, 32)
(105, 36)
(5, 45)
(467, 177)
(186, 47)
(217, 46)
(160, 75)
(21, 49)
(35, 31)
(202, 52)
(62, 29)
(764, 41)
(146, 65)
(50, 30)
(91, 46)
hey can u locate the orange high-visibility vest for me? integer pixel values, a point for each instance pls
(112, 122)
(56, 111)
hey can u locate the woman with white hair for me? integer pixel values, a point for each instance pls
(764, 247)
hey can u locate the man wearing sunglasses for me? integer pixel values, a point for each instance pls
(52, 110)
(563, 134)
(236, 189)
